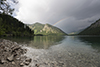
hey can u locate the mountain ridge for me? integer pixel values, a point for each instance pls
(45, 29)
(93, 29)
(10, 26)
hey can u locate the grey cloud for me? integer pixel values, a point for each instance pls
(78, 13)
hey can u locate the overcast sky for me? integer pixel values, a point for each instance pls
(68, 15)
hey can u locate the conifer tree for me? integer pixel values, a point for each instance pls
(5, 6)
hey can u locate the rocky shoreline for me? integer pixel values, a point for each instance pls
(12, 55)
(15, 55)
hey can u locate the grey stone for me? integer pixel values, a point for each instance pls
(22, 64)
(10, 58)
(26, 63)
(2, 61)
(37, 65)
(28, 60)
(13, 63)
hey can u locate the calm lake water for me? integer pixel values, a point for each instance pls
(62, 51)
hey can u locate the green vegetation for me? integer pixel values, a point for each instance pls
(36, 27)
(93, 29)
(10, 26)
(46, 29)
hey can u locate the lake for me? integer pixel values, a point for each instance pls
(62, 51)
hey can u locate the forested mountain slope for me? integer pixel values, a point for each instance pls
(10, 26)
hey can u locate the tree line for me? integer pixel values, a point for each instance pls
(10, 26)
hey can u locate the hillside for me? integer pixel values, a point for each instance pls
(93, 29)
(10, 26)
(46, 29)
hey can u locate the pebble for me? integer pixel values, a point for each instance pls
(2, 61)
(37, 65)
(11, 54)
(13, 63)
(22, 64)
(10, 58)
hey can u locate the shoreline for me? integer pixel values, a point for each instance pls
(15, 55)
(12, 54)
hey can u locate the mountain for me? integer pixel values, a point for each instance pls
(10, 26)
(75, 32)
(46, 29)
(93, 29)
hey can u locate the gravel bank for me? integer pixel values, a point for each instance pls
(12, 55)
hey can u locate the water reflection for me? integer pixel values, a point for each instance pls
(93, 41)
(70, 51)
(45, 41)
(39, 42)
(20, 40)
